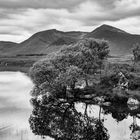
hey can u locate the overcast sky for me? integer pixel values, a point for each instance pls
(19, 19)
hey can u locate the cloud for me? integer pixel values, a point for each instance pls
(127, 5)
(19, 19)
(130, 25)
(39, 3)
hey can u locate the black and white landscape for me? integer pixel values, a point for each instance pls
(69, 69)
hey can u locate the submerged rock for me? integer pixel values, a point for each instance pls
(132, 101)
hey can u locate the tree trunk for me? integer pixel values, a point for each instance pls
(100, 113)
(65, 91)
(85, 113)
(86, 81)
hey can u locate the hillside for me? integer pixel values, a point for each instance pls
(6, 47)
(14, 56)
(120, 41)
(48, 41)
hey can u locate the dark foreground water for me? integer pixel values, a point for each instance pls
(121, 122)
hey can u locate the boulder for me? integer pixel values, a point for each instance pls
(99, 100)
(133, 107)
(106, 103)
(132, 101)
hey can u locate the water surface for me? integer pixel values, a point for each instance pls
(15, 107)
(15, 110)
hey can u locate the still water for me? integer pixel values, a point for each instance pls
(122, 123)
(15, 107)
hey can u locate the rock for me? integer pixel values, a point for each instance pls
(99, 100)
(133, 107)
(39, 97)
(89, 96)
(135, 135)
(106, 104)
(138, 115)
(132, 101)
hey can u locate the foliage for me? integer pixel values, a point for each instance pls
(60, 120)
(109, 81)
(136, 52)
(112, 79)
(69, 78)
(134, 83)
(118, 112)
(62, 70)
(101, 133)
(53, 114)
(42, 71)
(117, 67)
(87, 54)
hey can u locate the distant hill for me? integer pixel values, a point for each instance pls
(6, 47)
(120, 41)
(48, 41)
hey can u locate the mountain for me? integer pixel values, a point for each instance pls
(47, 41)
(52, 40)
(120, 41)
(6, 47)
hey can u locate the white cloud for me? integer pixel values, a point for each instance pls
(31, 21)
(127, 5)
(17, 24)
(130, 25)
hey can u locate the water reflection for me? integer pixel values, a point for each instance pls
(120, 113)
(59, 118)
(15, 107)
(67, 120)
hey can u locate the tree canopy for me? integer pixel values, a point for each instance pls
(74, 63)
(136, 52)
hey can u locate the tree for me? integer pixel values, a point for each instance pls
(43, 71)
(70, 77)
(87, 54)
(136, 52)
(54, 115)
(66, 67)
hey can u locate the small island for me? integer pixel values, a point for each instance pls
(81, 73)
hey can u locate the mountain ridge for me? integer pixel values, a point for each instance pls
(47, 41)
(121, 42)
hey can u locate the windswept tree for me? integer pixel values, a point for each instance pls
(69, 78)
(87, 54)
(43, 71)
(65, 68)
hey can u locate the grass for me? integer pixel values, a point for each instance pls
(18, 63)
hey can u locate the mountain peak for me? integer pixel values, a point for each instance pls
(53, 30)
(106, 27)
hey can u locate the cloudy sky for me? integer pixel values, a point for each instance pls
(19, 19)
